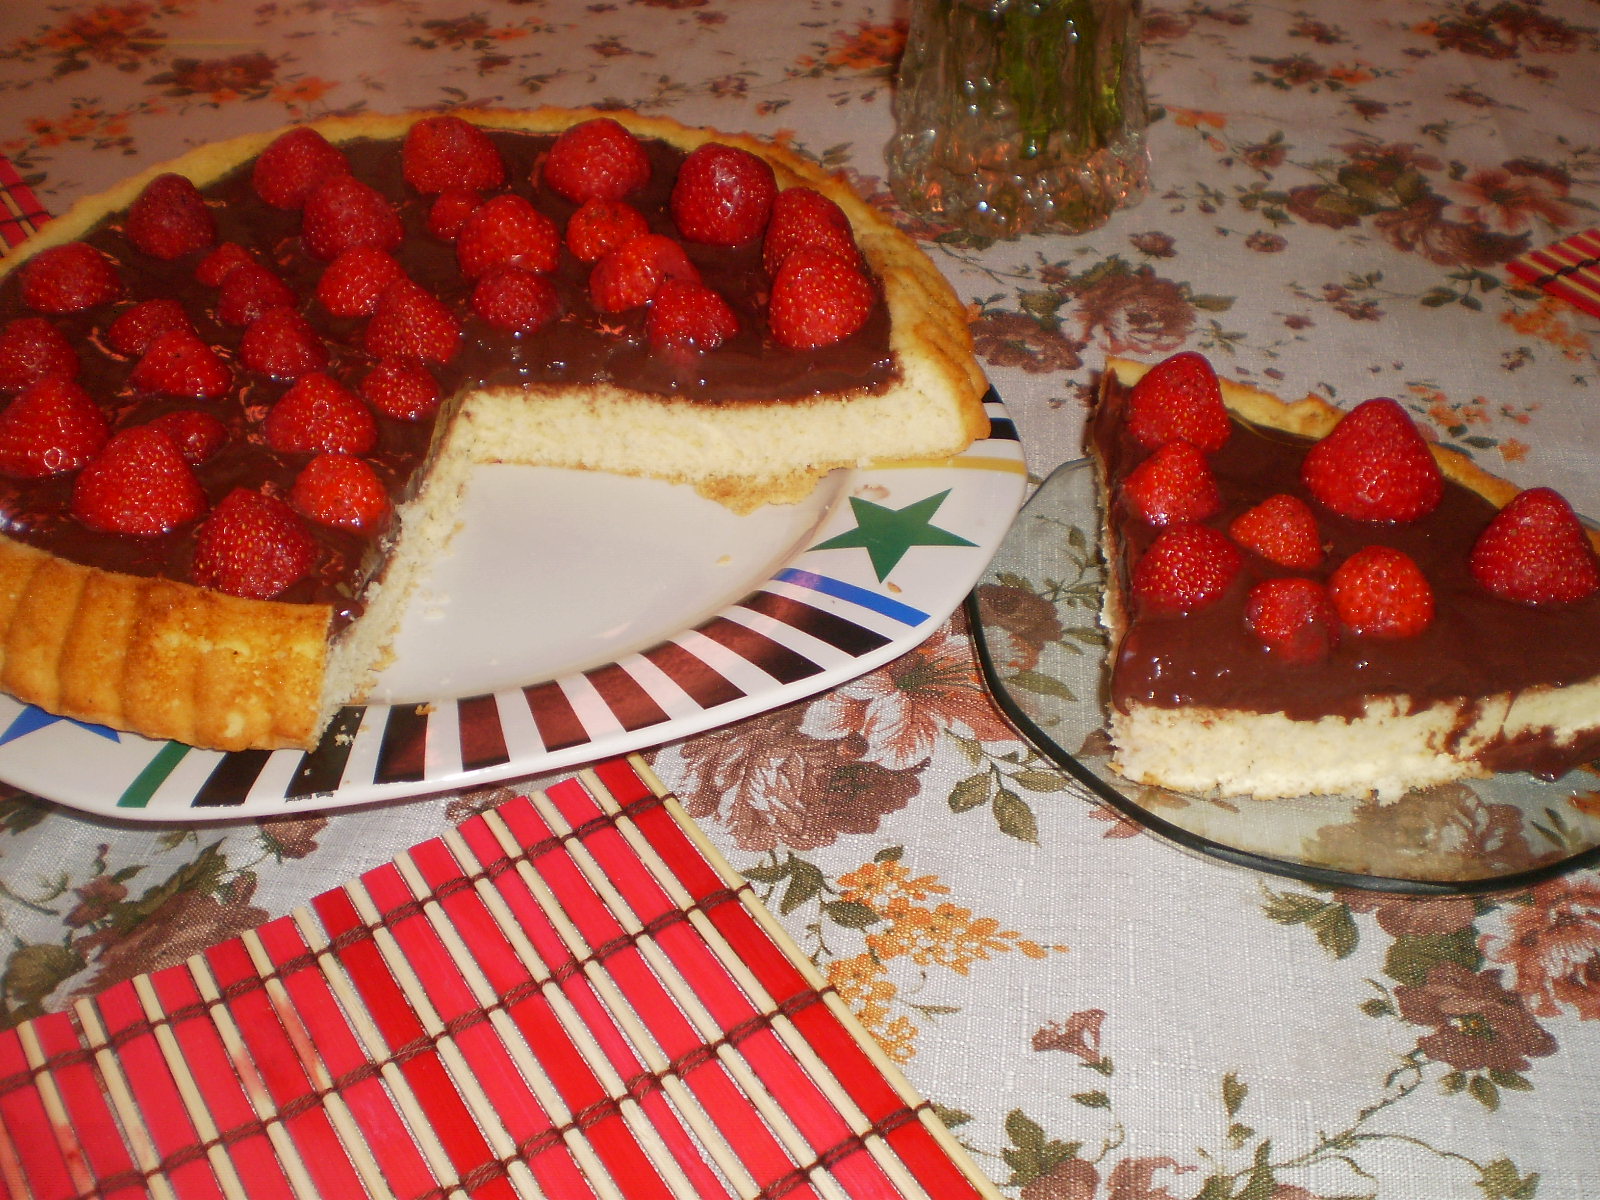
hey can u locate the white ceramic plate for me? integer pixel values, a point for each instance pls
(580, 616)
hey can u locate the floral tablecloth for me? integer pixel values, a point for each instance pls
(1337, 189)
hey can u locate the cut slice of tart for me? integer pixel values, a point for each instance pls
(1371, 657)
(329, 326)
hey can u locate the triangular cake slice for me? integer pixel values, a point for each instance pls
(1317, 687)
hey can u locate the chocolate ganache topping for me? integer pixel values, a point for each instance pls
(582, 346)
(1477, 646)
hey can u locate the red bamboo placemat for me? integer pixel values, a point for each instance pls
(572, 995)
(20, 210)
(1569, 268)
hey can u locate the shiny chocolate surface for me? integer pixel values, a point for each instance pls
(581, 346)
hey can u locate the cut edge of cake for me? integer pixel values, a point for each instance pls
(1389, 750)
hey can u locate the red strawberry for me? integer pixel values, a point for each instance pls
(723, 195)
(401, 388)
(197, 435)
(515, 300)
(1187, 567)
(410, 322)
(818, 299)
(178, 363)
(1294, 618)
(341, 490)
(1281, 529)
(52, 426)
(283, 344)
(600, 226)
(1171, 486)
(507, 230)
(342, 212)
(445, 152)
(1381, 592)
(32, 349)
(1374, 466)
(629, 275)
(597, 158)
(170, 219)
(216, 266)
(252, 545)
(293, 165)
(1179, 398)
(139, 484)
(69, 278)
(449, 212)
(1536, 551)
(248, 291)
(351, 285)
(319, 413)
(136, 329)
(802, 216)
(689, 316)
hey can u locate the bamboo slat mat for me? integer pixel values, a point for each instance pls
(1569, 268)
(572, 995)
(20, 210)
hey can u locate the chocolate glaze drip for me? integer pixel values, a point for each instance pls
(581, 346)
(1478, 644)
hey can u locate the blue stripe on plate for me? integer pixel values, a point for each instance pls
(841, 590)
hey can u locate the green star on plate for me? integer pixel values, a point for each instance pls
(887, 533)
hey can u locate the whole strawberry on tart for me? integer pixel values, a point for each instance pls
(244, 390)
(1308, 601)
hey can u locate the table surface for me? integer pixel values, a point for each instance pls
(1337, 188)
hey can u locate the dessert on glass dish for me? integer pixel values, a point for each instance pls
(1308, 601)
(245, 389)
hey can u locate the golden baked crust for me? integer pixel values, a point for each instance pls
(158, 657)
(169, 660)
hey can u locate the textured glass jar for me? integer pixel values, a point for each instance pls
(1019, 116)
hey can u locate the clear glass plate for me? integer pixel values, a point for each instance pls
(1035, 612)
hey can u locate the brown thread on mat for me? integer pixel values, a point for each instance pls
(856, 1143)
(582, 1121)
(642, 1083)
(492, 1169)
(309, 959)
(83, 1053)
(1572, 268)
(298, 1105)
(577, 833)
(467, 881)
(741, 1032)
(531, 1147)
(589, 1116)
(662, 921)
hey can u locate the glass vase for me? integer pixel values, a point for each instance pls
(1019, 116)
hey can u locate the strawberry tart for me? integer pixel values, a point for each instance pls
(1307, 601)
(244, 390)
